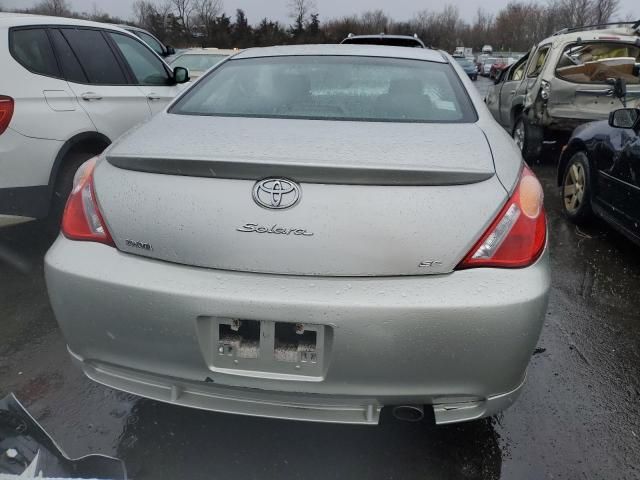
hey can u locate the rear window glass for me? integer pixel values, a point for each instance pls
(32, 49)
(538, 63)
(96, 57)
(331, 88)
(598, 62)
(71, 67)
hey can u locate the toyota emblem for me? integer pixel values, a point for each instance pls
(276, 193)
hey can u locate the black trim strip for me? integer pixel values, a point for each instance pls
(25, 201)
(331, 174)
(618, 180)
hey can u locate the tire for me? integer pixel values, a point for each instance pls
(576, 189)
(62, 189)
(528, 138)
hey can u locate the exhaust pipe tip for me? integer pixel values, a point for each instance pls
(408, 413)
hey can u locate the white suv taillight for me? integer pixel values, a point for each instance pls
(6, 112)
(82, 219)
(517, 236)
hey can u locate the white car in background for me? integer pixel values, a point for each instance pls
(199, 60)
(69, 89)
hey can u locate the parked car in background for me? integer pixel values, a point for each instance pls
(599, 172)
(253, 273)
(499, 65)
(69, 89)
(569, 81)
(488, 49)
(384, 39)
(469, 67)
(199, 60)
(504, 94)
(156, 45)
(487, 63)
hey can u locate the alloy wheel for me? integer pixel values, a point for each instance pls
(574, 187)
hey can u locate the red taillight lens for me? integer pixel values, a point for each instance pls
(517, 236)
(6, 112)
(82, 219)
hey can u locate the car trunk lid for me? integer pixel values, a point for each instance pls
(375, 198)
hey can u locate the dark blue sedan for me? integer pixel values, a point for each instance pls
(469, 67)
(599, 172)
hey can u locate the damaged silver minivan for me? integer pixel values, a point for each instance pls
(566, 80)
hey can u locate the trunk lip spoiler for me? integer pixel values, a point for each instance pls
(405, 175)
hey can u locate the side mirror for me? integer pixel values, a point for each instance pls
(170, 50)
(181, 75)
(624, 118)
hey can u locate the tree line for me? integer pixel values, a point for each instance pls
(188, 23)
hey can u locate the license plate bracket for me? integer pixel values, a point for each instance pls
(264, 348)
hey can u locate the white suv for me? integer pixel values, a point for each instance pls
(68, 89)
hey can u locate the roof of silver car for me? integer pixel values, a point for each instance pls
(24, 19)
(346, 50)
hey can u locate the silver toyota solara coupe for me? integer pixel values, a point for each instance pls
(310, 233)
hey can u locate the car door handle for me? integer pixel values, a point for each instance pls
(512, 92)
(90, 96)
(154, 96)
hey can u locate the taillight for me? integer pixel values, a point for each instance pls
(6, 112)
(82, 219)
(517, 236)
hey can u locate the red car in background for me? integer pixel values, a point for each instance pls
(498, 66)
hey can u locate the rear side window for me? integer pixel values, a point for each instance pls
(96, 57)
(598, 61)
(538, 62)
(71, 67)
(31, 48)
(517, 72)
(332, 88)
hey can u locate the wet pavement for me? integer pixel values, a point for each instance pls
(578, 417)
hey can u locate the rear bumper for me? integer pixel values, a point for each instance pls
(288, 406)
(459, 342)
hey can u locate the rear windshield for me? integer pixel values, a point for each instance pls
(331, 88)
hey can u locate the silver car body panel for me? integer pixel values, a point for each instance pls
(457, 340)
(385, 333)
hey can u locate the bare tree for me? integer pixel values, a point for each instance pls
(603, 10)
(184, 12)
(143, 11)
(206, 12)
(300, 10)
(58, 8)
(375, 21)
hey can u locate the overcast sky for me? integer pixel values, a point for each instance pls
(277, 9)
